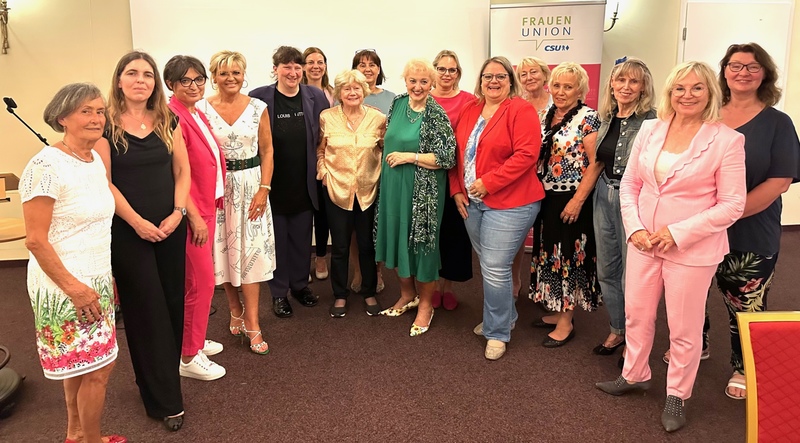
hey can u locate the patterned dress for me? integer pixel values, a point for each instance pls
(244, 250)
(80, 233)
(564, 269)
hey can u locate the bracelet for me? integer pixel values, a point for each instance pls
(416, 159)
(267, 187)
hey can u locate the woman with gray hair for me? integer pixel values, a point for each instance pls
(419, 148)
(68, 207)
(349, 166)
(565, 272)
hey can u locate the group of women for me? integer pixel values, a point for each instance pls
(177, 197)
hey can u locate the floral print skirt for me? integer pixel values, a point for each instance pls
(564, 259)
(68, 347)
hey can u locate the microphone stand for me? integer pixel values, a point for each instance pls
(10, 105)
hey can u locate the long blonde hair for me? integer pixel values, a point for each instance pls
(635, 68)
(163, 121)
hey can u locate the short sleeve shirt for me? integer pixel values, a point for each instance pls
(568, 158)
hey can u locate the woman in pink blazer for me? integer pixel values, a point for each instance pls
(186, 77)
(683, 187)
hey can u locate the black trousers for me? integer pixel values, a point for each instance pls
(342, 223)
(321, 228)
(150, 280)
(454, 244)
(292, 252)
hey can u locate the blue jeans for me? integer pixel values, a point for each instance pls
(496, 236)
(612, 250)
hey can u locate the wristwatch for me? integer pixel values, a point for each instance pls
(181, 210)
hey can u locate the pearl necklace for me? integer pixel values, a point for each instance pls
(91, 160)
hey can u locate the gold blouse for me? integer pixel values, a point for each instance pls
(351, 158)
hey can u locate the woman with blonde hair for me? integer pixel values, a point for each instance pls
(419, 148)
(149, 171)
(626, 103)
(533, 75)
(565, 270)
(683, 187)
(244, 244)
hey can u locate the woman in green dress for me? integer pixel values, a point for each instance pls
(419, 148)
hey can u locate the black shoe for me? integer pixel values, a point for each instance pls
(373, 310)
(550, 342)
(621, 386)
(173, 423)
(305, 297)
(542, 324)
(674, 415)
(338, 311)
(281, 307)
(601, 349)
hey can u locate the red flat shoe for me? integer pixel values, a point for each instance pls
(107, 439)
(449, 301)
(436, 301)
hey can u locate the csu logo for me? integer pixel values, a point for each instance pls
(556, 48)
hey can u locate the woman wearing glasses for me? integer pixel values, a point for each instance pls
(244, 242)
(683, 187)
(419, 147)
(748, 77)
(496, 189)
(454, 242)
(566, 275)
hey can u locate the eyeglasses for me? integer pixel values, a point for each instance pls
(187, 82)
(751, 67)
(695, 91)
(442, 70)
(489, 77)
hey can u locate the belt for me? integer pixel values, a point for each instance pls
(610, 183)
(238, 165)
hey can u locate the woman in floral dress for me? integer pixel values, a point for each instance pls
(68, 207)
(565, 268)
(244, 247)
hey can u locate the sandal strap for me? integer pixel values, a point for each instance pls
(257, 346)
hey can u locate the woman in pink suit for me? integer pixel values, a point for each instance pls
(683, 187)
(186, 77)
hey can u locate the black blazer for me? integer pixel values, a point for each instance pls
(314, 102)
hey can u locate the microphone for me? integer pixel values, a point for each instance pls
(10, 106)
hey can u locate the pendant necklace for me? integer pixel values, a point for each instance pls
(143, 126)
(76, 155)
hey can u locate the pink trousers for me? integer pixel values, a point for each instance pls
(685, 290)
(199, 290)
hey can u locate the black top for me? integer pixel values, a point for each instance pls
(143, 174)
(771, 150)
(608, 147)
(289, 194)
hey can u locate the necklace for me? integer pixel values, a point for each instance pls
(143, 126)
(415, 118)
(91, 160)
(358, 117)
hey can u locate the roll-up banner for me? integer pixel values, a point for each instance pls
(555, 32)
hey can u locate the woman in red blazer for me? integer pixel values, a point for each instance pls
(496, 190)
(683, 187)
(186, 77)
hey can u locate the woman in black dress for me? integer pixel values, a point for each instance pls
(148, 168)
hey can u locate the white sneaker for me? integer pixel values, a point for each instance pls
(201, 368)
(212, 348)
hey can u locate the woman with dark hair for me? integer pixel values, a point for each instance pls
(496, 190)
(454, 244)
(369, 64)
(244, 244)
(293, 109)
(419, 148)
(315, 73)
(626, 103)
(186, 77)
(565, 275)
(68, 208)
(748, 78)
(150, 178)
